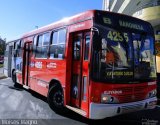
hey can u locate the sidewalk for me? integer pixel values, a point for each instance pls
(2, 76)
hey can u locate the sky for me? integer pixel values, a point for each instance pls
(20, 16)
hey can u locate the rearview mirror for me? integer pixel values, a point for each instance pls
(96, 41)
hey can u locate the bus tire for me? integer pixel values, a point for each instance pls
(14, 79)
(56, 99)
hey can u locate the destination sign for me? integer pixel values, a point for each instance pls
(130, 25)
(122, 22)
(119, 73)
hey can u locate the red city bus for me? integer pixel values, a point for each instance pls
(97, 63)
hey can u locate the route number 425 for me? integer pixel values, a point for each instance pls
(117, 36)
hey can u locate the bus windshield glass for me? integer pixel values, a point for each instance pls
(123, 56)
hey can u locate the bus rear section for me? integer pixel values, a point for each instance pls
(8, 63)
(98, 64)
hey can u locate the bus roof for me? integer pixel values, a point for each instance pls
(64, 22)
(71, 20)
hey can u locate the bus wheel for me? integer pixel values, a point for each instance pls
(14, 80)
(56, 99)
(14, 77)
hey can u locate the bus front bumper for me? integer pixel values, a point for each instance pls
(100, 111)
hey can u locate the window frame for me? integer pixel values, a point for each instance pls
(42, 45)
(17, 44)
(58, 43)
(86, 50)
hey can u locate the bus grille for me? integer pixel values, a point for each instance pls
(132, 94)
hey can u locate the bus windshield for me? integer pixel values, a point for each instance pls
(123, 56)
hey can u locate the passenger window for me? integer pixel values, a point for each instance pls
(86, 53)
(40, 41)
(34, 45)
(54, 38)
(57, 47)
(62, 36)
(18, 55)
(57, 51)
(77, 48)
(35, 40)
(18, 45)
(18, 49)
(46, 39)
(22, 44)
(42, 45)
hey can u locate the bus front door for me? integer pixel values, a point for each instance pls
(80, 72)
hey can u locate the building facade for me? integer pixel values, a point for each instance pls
(148, 10)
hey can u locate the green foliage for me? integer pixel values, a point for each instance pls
(1, 65)
(2, 48)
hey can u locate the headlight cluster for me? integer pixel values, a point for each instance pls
(152, 93)
(108, 99)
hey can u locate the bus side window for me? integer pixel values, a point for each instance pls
(34, 45)
(18, 55)
(6, 51)
(42, 45)
(18, 49)
(77, 48)
(45, 45)
(38, 47)
(57, 47)
(87, 42)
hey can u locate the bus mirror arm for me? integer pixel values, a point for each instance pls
(94, 29)
(97, 42)
(96, 38)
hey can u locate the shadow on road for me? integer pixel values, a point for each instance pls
(12, 87)
(126, 119)
(137, 118)
(118, 120)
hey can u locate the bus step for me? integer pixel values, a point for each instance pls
(26, 87)
(77, 110)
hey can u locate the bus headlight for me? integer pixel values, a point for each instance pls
(152, 93)
(108, 99)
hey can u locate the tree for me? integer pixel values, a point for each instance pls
(2, 46)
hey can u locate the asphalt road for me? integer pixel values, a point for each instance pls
(24, 104)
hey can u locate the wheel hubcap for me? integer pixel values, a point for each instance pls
(58, 98)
